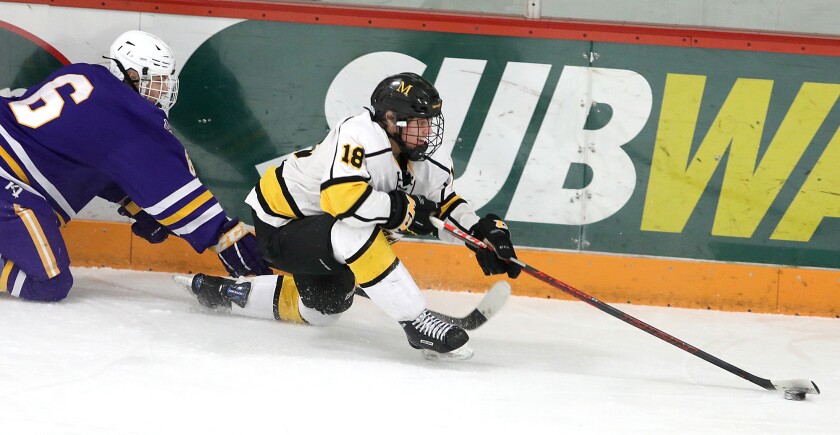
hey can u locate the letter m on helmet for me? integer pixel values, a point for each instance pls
(403, 89)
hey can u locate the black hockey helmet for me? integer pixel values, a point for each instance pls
(410, 96)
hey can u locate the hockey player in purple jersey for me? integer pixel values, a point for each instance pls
(86, 132)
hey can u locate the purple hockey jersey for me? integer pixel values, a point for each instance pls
(83, 133)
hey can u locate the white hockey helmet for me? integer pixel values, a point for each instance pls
(153, 61)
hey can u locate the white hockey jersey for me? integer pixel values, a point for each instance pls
(349, 175)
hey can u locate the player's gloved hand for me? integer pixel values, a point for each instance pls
(410, 213)
(239, 251)
(146, 226)
(494, 232)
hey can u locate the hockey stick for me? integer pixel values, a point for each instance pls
(795, 385)
(490, 304)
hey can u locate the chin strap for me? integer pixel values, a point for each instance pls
(414, 155)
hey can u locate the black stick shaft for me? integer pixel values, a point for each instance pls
(618, 314)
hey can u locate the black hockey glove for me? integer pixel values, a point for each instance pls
(239, 251)
(146, 226)
(494, 232)
(410, 213)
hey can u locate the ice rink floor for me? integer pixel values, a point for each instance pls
(130, 353)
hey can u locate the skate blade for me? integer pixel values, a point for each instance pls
(463, 353)
(185, 281)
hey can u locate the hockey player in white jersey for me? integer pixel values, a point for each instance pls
(328, 216)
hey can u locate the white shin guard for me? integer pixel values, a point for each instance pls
(398, 295)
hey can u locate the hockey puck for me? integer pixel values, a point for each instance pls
(794, 395)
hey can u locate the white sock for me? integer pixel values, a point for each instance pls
(398, 295)
(261, 299)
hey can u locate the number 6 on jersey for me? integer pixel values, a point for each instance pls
(53, 102)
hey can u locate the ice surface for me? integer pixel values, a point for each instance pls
(131, 353)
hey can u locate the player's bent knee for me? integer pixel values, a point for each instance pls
(329, 295)
(51, 290)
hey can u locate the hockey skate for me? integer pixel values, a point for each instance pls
(437, 339)
(215, 291)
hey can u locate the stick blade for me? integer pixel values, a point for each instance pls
(494, 299)
(803, 385)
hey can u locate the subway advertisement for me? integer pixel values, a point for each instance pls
(581, 146)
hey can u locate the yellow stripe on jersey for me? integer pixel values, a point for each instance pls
(444, 208)
(375, 261)
(187, 209)
(272, 194)
(286, 305)
(14, 165)
(42, 245)
(338, 199)
(4, 276)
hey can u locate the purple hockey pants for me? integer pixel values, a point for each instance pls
(34, 263)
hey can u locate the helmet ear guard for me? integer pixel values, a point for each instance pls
(122, 73)
(410, 96)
